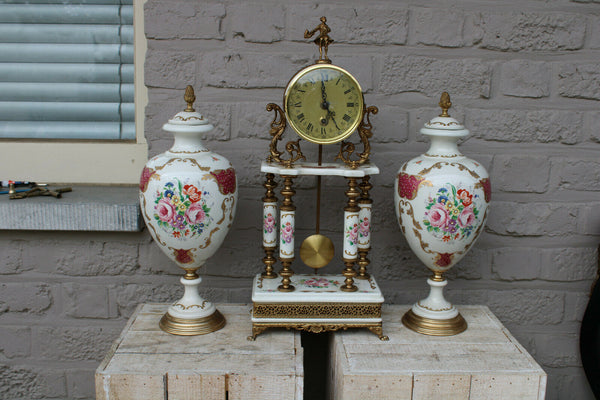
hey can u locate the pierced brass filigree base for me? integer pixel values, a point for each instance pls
(191, 327)
(260, 327)
(434, 327)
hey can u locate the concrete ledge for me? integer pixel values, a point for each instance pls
(86, 208)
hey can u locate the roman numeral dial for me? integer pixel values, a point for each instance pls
(323, 103)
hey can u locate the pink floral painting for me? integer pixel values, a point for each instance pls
(269, 223)
(181, 210)
(352, 234)
(451, 214)
(408, 185)
(287, 233)
(364, 227)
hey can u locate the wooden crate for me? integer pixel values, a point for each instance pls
(484, 362)
(147, 363)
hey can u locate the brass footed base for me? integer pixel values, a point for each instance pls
(434, 327)
(191, 327)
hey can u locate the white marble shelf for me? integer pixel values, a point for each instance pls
(325, 169)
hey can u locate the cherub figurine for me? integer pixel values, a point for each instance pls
(323, 40)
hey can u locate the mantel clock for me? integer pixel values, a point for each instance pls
(323, 104)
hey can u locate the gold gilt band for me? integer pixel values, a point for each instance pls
(322, 310)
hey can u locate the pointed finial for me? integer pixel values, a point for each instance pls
(445, 103)
(189, 98)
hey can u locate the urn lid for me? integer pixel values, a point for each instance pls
(444, 124)
(188, 120)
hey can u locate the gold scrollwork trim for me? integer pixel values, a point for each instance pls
(277, 128)
(365, 132)
(322, 310)
(183, 307)
(260, 282)
(258, 328)
(433, 309)
(352, 255)
(442, 156)
(183, 160)
(372, 283)
(440, 164)
(266, 243)
(285, 253)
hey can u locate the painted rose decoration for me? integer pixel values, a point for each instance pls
(268, 223)
(451, 214)
(364, 227)
(287, 233)
(181, 210)
(352, 234)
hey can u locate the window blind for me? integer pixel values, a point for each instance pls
(66, 69)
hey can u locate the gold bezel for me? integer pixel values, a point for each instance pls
(298, 130)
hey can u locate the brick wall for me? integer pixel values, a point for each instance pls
(524, 78)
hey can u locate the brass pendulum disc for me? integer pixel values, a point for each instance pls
(316, 251)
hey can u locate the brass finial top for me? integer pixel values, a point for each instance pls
(322, 40)
(189, 98)
(445, 103)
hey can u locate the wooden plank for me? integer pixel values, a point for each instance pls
(483, 361)
(146, 362)
(190, 387)
(441, 387)
(256, 387)
(133, 387)
(499, 387)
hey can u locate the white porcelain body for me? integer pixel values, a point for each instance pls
(188, 198)
(441, 200)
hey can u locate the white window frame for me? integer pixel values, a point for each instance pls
(86, 161)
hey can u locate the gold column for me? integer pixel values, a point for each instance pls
(287, 205)
(352, 193)
(363, 261)
(270, 197)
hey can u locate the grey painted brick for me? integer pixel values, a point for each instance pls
(82, 258)
(439, 27)
(593, 124)
(26, 382)
(533, 31)
(589, 219)
(85, 301)
(80, 383)
(578, 174)
(516, 263)
(558, 265)
(556, 350)
(170, 69)
(518, 306)
(521, 173)
(594, 41)
(532, 219)
(183, 20)
(252, 120)
(75, 343)
(568, 383)
(259, 70)
(473, 266)
(33, 298)
(569, 264)
(365, 24)
(525, 78)
(15, 341)
(544, 126)
(11, 257)
(244, 19)
(126, 297)
(390, 124)
(579, 80)
(218, 114)
(467, 77)
(576, 303)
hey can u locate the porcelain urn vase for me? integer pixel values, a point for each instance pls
(441, 200)
(188, 197)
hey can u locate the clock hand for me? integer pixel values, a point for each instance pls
(324, 104)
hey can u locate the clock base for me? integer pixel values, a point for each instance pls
(317, 305)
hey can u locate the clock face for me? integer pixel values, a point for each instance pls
(323, 103)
